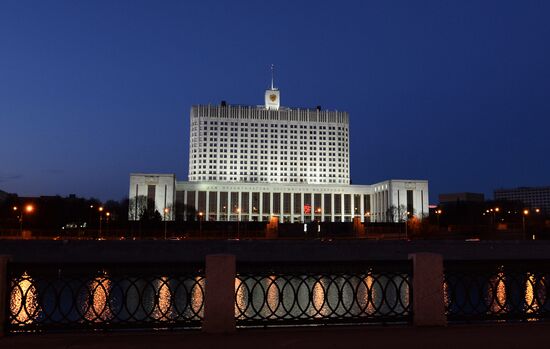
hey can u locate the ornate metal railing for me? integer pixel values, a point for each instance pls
(323, 293)
(53, 297)
(508, 290)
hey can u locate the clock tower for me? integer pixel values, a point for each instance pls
(272, 95)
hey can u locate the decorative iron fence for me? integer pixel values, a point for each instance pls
(507, 290)
(323, 293)
(53, 297)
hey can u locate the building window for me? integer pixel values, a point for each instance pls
(276, 203)
(212, 200)
(338, 204)
(410, 205)
(328, 204)
(286, 203)
(297, 203)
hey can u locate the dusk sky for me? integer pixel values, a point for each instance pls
(456, 92)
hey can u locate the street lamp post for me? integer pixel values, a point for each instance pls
(438, 212)
(406, 225)
(200, 225)
(165, 222)
(100, 209)
(523, 216)
(15, 208)
(107, 218)
(238, 224)
(28, 209)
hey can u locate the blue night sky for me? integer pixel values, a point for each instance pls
(456, 92)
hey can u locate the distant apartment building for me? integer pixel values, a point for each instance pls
(461, 197)
(534, 197)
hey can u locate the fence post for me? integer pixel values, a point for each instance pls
(219, 299)
(3, 294)
(428, 295)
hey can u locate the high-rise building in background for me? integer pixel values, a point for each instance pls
(250, 163)
(533, 197)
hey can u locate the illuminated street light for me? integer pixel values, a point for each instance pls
(406, 225)
(29, 208)
(100, 209)
(166, 210)
(238, 223)
(438, 212)
(200, 224)
(525, 213)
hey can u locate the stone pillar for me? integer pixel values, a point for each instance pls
(261, 207)
(229, 209)
(282, 203)
(270, 203)
(184, 205)
(207, 208)
(239, 205)
(4, 294)
(362, 207)
(313, 207)
(322, 207)
(302, 205)
(342, 208)
(219, 298)
(291, 208)
(352, 201)
(196, 205)
(250, 206)
(428, 295)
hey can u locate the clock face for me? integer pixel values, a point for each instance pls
(273, 97)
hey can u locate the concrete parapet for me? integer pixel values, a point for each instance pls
(3, 294)
(428, 295)
(219, 300)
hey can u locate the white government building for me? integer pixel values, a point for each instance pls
(250, 163)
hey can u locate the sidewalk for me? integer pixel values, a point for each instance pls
(488, 336)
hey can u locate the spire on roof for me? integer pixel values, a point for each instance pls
(272, 76)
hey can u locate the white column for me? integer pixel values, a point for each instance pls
(332, 204)
(270, 204)
(362, 207)
(353, 211)
(281, 198)
(239, 205)
(342, 212)
(261, 206)
(229, 206)
(196, 203)
(312, 203)
(185, 205)
(250, 206)
(291, 206)
(302, 208)
(322, 207)
(207, 209)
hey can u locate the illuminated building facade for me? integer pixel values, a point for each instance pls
(250, 163)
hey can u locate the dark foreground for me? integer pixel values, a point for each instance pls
(501, 336)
